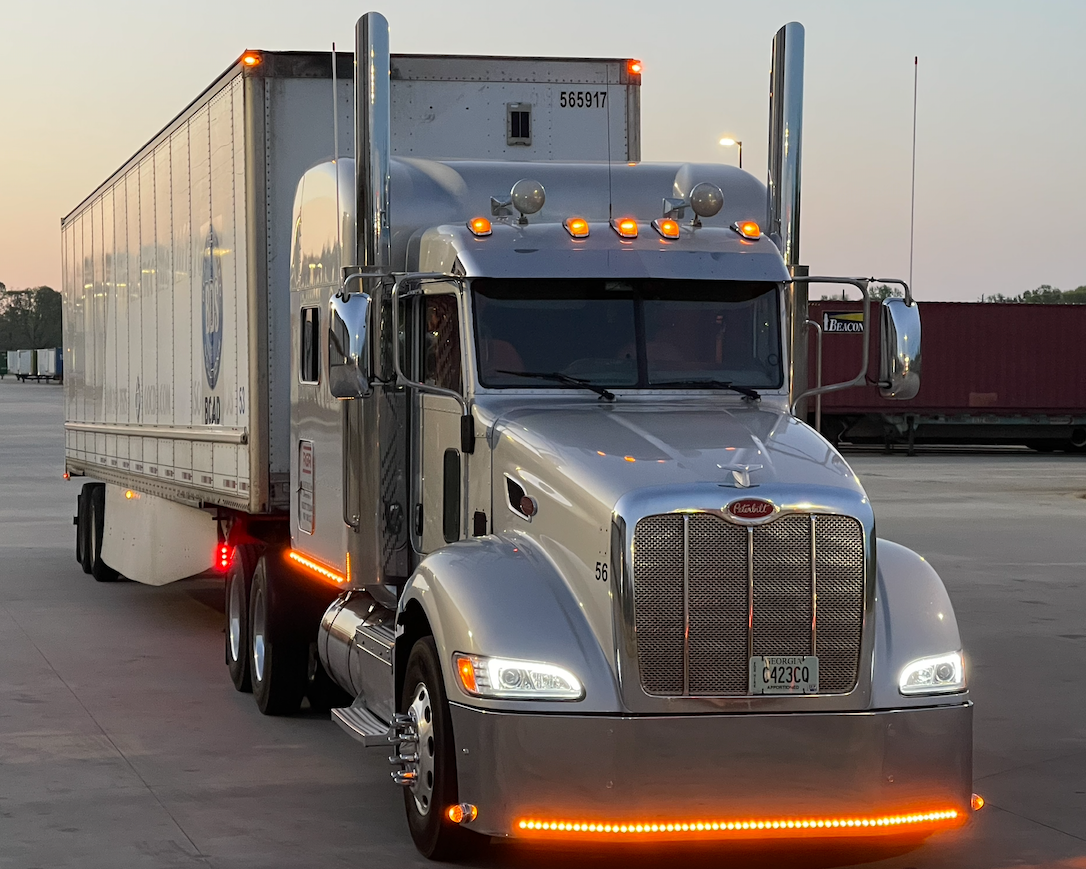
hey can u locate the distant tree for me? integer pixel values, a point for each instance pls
(878, 292)
(30, 319)
(1043, 295)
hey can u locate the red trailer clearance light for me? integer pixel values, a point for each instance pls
(633, 67)
(250, 58)
(224, 553)
(746, 828)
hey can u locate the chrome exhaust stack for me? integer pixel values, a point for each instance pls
(372, 140)
(785, 140)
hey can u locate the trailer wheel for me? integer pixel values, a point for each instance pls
(435, 788)
(96, 524)
(277, 666)
(239, 579)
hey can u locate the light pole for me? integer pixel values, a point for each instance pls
(727, 142)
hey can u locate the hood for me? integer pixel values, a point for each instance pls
(604, 451)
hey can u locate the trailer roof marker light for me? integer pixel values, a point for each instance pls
(667, 227)
(576, 227)
(634, 67)
(748, 229)
(318, 569)
(783, 827)
(251, 58)
(480, 227)
(129, 494)
(626, 227)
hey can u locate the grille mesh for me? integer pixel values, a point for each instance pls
(696, 592)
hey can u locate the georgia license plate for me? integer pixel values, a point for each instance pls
(784, 674)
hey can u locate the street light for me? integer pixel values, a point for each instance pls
(727, 142)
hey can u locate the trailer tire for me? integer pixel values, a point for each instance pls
(82, 530)
(239, 580)
(277, 666)
(425, 802)
(96, 525)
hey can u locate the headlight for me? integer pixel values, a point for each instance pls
(941, 674)
(483, 676)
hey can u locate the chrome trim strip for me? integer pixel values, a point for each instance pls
(814, 592)
(750, 592)
(214, 436)
(686, 605)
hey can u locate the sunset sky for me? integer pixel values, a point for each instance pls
(1001, 137)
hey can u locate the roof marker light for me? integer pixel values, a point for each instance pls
(667, 227)
(251, 58)
(625, 227)
(633, 67)
(479, 226)
(748, 229)
(577, 227)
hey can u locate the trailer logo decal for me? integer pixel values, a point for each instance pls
(212, 309)
(751, 508)
(843, 321)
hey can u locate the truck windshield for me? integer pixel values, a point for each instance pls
(638, 333)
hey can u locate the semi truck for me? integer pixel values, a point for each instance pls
(492, 429)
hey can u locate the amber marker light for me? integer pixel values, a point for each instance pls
(479, 226)
(251, 58)
(462, 813)
(667, 227)
(626, 227)
(748, 229)
(129, 495)
(577, 227)
(466, 671)
(315, 568)
(634, 67)
(856, 825)
(976, 803)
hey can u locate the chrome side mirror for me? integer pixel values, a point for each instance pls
(348, 353)
(899, 367)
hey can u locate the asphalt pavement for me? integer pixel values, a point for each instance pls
(123, 743)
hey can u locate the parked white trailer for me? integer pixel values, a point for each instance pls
(21, 363)
(491, 429)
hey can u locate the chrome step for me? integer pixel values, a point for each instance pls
(364, 726)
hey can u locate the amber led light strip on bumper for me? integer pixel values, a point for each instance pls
(750, 827)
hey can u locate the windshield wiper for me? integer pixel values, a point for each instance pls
(745, 391)
(558, 377)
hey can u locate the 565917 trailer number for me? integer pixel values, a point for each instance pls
(582, 99)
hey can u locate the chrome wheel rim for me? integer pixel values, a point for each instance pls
(422, 715)
(258, 635)
(235, 620)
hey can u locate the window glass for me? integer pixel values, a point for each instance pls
(441, 342)
(310, 350)
(633, 333)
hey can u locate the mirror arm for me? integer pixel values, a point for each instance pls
(861, 284)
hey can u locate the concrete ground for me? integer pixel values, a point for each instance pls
(123, 743)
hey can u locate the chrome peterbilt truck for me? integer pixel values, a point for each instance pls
(576, 561)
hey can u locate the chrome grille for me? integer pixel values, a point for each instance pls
(708, 594)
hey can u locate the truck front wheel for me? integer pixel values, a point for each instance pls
(434, 790)
(277, 666)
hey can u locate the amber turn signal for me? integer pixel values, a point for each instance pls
(466, 670)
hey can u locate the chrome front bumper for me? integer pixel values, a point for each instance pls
(856, 773)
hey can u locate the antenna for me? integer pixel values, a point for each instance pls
(607, 103)
(335, 155)
(912, 203)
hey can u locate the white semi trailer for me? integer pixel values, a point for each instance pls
(491, 430)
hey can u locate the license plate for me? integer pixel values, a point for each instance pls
(784, 674)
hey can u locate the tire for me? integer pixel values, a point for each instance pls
(426, 801)
(239, 579)
(96, 524)
(82, 548)
(277, 666)
(323, 693)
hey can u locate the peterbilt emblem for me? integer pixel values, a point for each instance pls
(750, 508)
